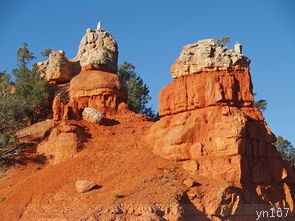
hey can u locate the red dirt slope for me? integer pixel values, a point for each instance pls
(114, 157)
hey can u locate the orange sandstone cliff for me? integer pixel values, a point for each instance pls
(209, 123)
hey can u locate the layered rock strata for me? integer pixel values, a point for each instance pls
(209, 123)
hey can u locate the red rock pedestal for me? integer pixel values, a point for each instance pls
(95, 89)
(209, 123)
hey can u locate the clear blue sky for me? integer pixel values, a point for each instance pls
(151, 35)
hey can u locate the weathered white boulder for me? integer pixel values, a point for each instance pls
(98, 50)
(91, 115)
(206, 55)
(57, 68)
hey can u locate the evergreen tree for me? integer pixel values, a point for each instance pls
(285, 148)
(27, 99)
(260, 104)
(282, 145)
(24, 56)
(5, 85)
(36, 92)
(138, 91)
(11, 116)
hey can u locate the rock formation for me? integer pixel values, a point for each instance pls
(206, 55)
(58, 69)
(96, 86)
(209, 123)
(62, 143)
(98, 50)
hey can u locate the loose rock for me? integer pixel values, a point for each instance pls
(93, 116)
(83, 186)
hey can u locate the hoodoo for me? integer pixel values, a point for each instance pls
(88, 80)
(209, 123)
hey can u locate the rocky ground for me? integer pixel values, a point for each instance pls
(115, 158)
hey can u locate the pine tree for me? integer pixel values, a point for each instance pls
(282, 145)
(27, 99)
(260, 104)
(138, 91)
(286, 148)
(36, 92)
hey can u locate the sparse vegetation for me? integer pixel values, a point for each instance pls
(284, 146)
(23, 101)
(46, 52)
(260, 104)
(138, 91)
(150, 180)
(222, 40)
(105, 49)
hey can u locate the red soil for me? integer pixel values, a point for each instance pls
(114, 157)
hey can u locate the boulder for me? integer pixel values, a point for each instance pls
(91, 115)
(98, 50)
(83, 186)
(57, 69)
(92, 83)
(188, 182)
(63, 143)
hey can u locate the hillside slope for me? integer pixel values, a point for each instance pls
(114, 157)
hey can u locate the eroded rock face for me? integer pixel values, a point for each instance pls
(95, 89)
(98, 50)
(62, 143)
(207, 55)
(190, 92)
(97, 86)
(58, 69)
(209, 123)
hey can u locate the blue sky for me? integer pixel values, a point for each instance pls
(151, 35)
